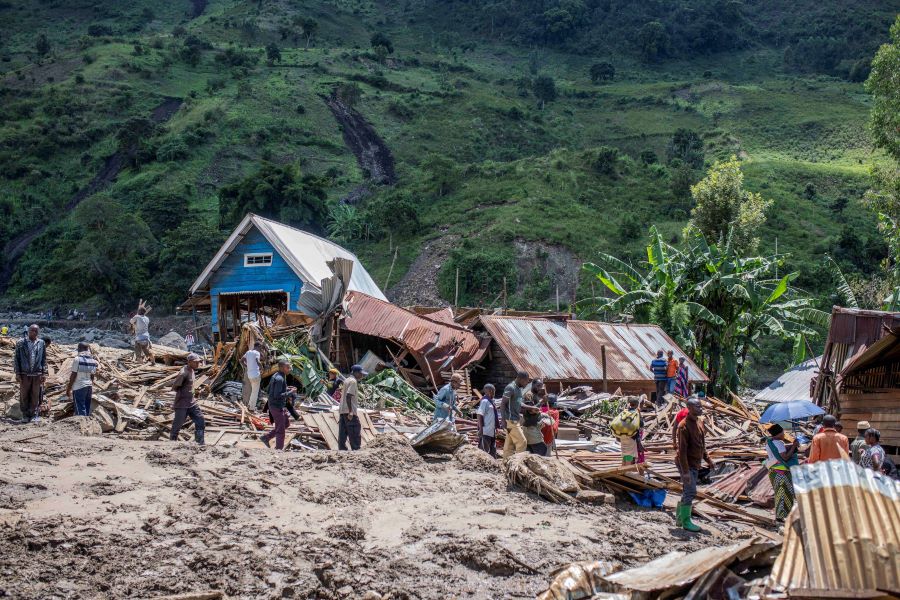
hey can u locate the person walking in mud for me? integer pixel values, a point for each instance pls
(349, 426)
(279, 392)
(690, 454)
(31, 373)
(511, 409)
(185, 403)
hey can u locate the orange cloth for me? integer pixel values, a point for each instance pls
(825, 445)
(672, 368)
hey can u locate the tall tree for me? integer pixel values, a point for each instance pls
(653, 41)
(544, 88)
(884, 198)
(722, 205)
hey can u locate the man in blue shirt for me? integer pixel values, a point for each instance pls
(660, 366)
(445, 401)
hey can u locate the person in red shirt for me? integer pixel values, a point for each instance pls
(549, 406)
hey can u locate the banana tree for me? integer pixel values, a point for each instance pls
(727, 301)
(661, 295)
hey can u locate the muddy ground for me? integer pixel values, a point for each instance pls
(99, 517)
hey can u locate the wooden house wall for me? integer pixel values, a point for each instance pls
(873, 395)
(499, 370)
(233, 276)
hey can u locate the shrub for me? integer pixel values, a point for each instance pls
(172, 150)
(648, 157)
(602, 71)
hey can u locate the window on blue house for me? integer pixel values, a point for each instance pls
(260, 259)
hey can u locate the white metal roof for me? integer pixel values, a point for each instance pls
(307, 255)
(792, 385)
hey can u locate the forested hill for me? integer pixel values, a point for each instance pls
(511, 138)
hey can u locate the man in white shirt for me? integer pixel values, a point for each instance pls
(250, 362)
(349, 426)
(140, 323)
(81, 381)
(488, 421)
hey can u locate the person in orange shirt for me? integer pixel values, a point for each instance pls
(671, 371)
(827, 443)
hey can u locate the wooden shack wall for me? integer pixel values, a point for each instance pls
(499, 370)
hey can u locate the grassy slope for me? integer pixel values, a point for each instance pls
(523, 177)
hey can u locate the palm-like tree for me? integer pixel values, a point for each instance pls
(715, 302)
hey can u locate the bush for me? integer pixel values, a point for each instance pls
(687, 147)
(98, 30)
(172, 150)
(481, 273)
(648, 157)
(603, 71)
(605, 159)
(380, 39)
(394, 213)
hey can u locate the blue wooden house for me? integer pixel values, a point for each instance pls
(260, 270)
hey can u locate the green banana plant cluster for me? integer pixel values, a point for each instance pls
(714, 302)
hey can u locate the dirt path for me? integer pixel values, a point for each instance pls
(91, 517)
(371, 152)
(16, 247)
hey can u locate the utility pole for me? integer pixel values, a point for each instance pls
(557, 297)
(504, 295)
(456, 295)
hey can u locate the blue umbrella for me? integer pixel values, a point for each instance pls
(790, 411)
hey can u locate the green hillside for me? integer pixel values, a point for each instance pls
(490, 179)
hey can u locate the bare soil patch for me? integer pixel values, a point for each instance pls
(93, 516)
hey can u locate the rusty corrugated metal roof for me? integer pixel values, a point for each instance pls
(856, 327)
(435, 346)
(558, 350)
(844, 532)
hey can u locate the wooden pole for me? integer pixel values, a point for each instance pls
(456, 294)
(504, 295)
(391, 270)
(603, 363)
(557, 297)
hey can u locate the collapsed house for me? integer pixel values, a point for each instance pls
(424, 351)
(859, 376)
(261, 271)
(567, 353)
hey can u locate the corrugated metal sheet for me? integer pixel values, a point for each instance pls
(855, 327)
(307, 255)
(435, 346)
(792, 385)
(676, 570)
(844, 533)
(568, 350)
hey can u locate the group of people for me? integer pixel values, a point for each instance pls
(280, 397)
(526, 411)
(828, 443)
(670, 375)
